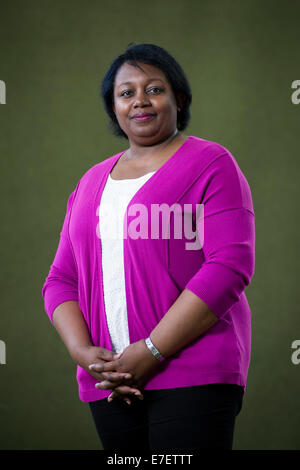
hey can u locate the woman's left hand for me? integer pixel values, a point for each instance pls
(136, 360)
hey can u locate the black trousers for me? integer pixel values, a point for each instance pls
(186, 418)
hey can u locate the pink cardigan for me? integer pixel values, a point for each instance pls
(158, 270)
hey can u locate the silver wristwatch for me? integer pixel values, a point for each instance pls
(153, 349)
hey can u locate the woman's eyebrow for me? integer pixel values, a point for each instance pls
(148, 80)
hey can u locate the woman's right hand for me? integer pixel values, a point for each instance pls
(87, 355)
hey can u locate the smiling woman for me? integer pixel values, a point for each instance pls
(149, 73)
(142, 109)
(148, 321)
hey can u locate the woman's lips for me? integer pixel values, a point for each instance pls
(147, 117)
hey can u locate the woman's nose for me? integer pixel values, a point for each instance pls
(141, 98)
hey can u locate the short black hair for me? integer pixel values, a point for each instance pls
(147, 54)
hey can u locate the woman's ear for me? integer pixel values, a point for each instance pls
(180, 98)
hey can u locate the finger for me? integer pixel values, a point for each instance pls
(111, 376)
(118, 379)
(117, 356)
(106, 366)
(116, 376)
(119, 390)
(126, 390)
(106, 385)
(108, 355)
(111, 396)
(97, 375)
(120, 397)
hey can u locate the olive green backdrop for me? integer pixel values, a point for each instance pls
(240, 58)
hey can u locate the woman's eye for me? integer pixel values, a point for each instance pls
(125, 91)
(155, 89)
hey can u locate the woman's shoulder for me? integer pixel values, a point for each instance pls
(208, 153)
(99, 168)
(217, 165)
(208, 147)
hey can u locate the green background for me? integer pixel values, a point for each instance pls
(240, 59)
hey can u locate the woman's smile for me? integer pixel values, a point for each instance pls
(144, 117)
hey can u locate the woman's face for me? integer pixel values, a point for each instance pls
(139, 91)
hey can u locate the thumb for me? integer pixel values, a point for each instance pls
(117, 355)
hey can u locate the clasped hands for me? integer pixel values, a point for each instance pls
(126, 372)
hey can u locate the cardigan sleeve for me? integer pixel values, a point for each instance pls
(61, 284)
(229, 236)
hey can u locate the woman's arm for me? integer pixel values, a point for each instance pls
(187, 319)
(60, 293)
(69, 322)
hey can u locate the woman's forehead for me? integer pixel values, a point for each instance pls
(130, 73)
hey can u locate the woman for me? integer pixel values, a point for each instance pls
(151, 319)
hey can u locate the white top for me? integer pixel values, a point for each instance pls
(115, 198)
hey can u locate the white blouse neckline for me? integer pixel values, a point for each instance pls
(130, 179)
